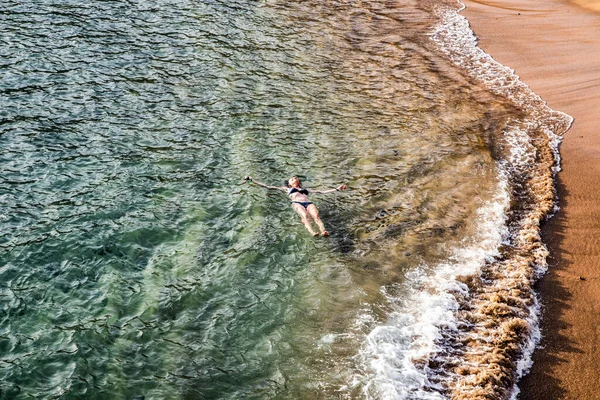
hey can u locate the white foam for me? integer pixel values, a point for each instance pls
(394, 358)
(456, 39)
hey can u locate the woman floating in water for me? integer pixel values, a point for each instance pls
(300, 203)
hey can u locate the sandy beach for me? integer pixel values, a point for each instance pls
(554, 47)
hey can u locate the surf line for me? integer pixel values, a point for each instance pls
(500, 312)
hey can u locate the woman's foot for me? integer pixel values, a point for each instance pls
(325, 233)
(315, 233)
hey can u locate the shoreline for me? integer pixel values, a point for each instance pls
(553, 47)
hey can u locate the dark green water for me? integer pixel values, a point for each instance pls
(134, 261)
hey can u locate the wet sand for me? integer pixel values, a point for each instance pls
(554, 46)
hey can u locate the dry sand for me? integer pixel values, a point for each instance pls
(554, 46)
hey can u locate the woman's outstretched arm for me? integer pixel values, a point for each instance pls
(341, 187)
(249, 178)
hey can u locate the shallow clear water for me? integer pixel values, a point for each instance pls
(134, 261)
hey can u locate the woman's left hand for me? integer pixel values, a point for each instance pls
(342, 187)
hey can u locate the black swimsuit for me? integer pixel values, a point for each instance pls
(294, 190)
(304, 204)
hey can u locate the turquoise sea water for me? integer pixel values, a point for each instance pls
(136, 263)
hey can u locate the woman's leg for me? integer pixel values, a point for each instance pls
(314, 213)
(305, 219)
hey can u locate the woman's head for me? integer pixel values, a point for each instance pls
(293, 182)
